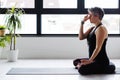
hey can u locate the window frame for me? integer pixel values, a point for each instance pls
(39, 10)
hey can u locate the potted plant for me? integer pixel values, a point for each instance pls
(12, 23)
(2, 30)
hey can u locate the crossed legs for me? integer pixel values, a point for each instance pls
(93, 68)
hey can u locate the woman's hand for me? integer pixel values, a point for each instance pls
(85, 62)
(86, 17)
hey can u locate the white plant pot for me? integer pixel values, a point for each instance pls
(13, 55)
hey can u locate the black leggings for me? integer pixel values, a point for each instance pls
(95, 68)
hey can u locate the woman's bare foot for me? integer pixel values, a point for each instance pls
(78, 66)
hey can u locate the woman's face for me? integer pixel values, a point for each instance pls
(92, 17)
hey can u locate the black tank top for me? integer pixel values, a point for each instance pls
(102, 57)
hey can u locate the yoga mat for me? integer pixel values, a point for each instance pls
(47, 71)
(117, 71)
(43, 71)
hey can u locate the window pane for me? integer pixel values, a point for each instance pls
(19, 3)
(102, 3)
(69, 24)
(112, 23)
(28, 22)
(59, 3)
(61, 24)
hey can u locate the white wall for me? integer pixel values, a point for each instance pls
(59, 48)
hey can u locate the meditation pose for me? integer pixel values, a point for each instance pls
(97, 36)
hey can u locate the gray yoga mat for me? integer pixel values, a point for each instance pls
(42, 71)
(46, 71)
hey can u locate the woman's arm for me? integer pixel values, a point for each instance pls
(81, 34)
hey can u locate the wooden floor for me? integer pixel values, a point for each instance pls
(6, 66)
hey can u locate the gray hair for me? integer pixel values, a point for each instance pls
(97, 12)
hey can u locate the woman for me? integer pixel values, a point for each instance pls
(96, 36)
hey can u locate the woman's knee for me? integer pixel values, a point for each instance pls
(83, 71)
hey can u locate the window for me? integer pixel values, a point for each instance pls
(112, 23)
(28, 24)
(18, 3)
(66, 22)
(59, 3)
(61, 17)
(60, 24)
(70, 23)
(102, 3)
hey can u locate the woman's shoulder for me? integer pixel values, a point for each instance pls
(102, 30)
